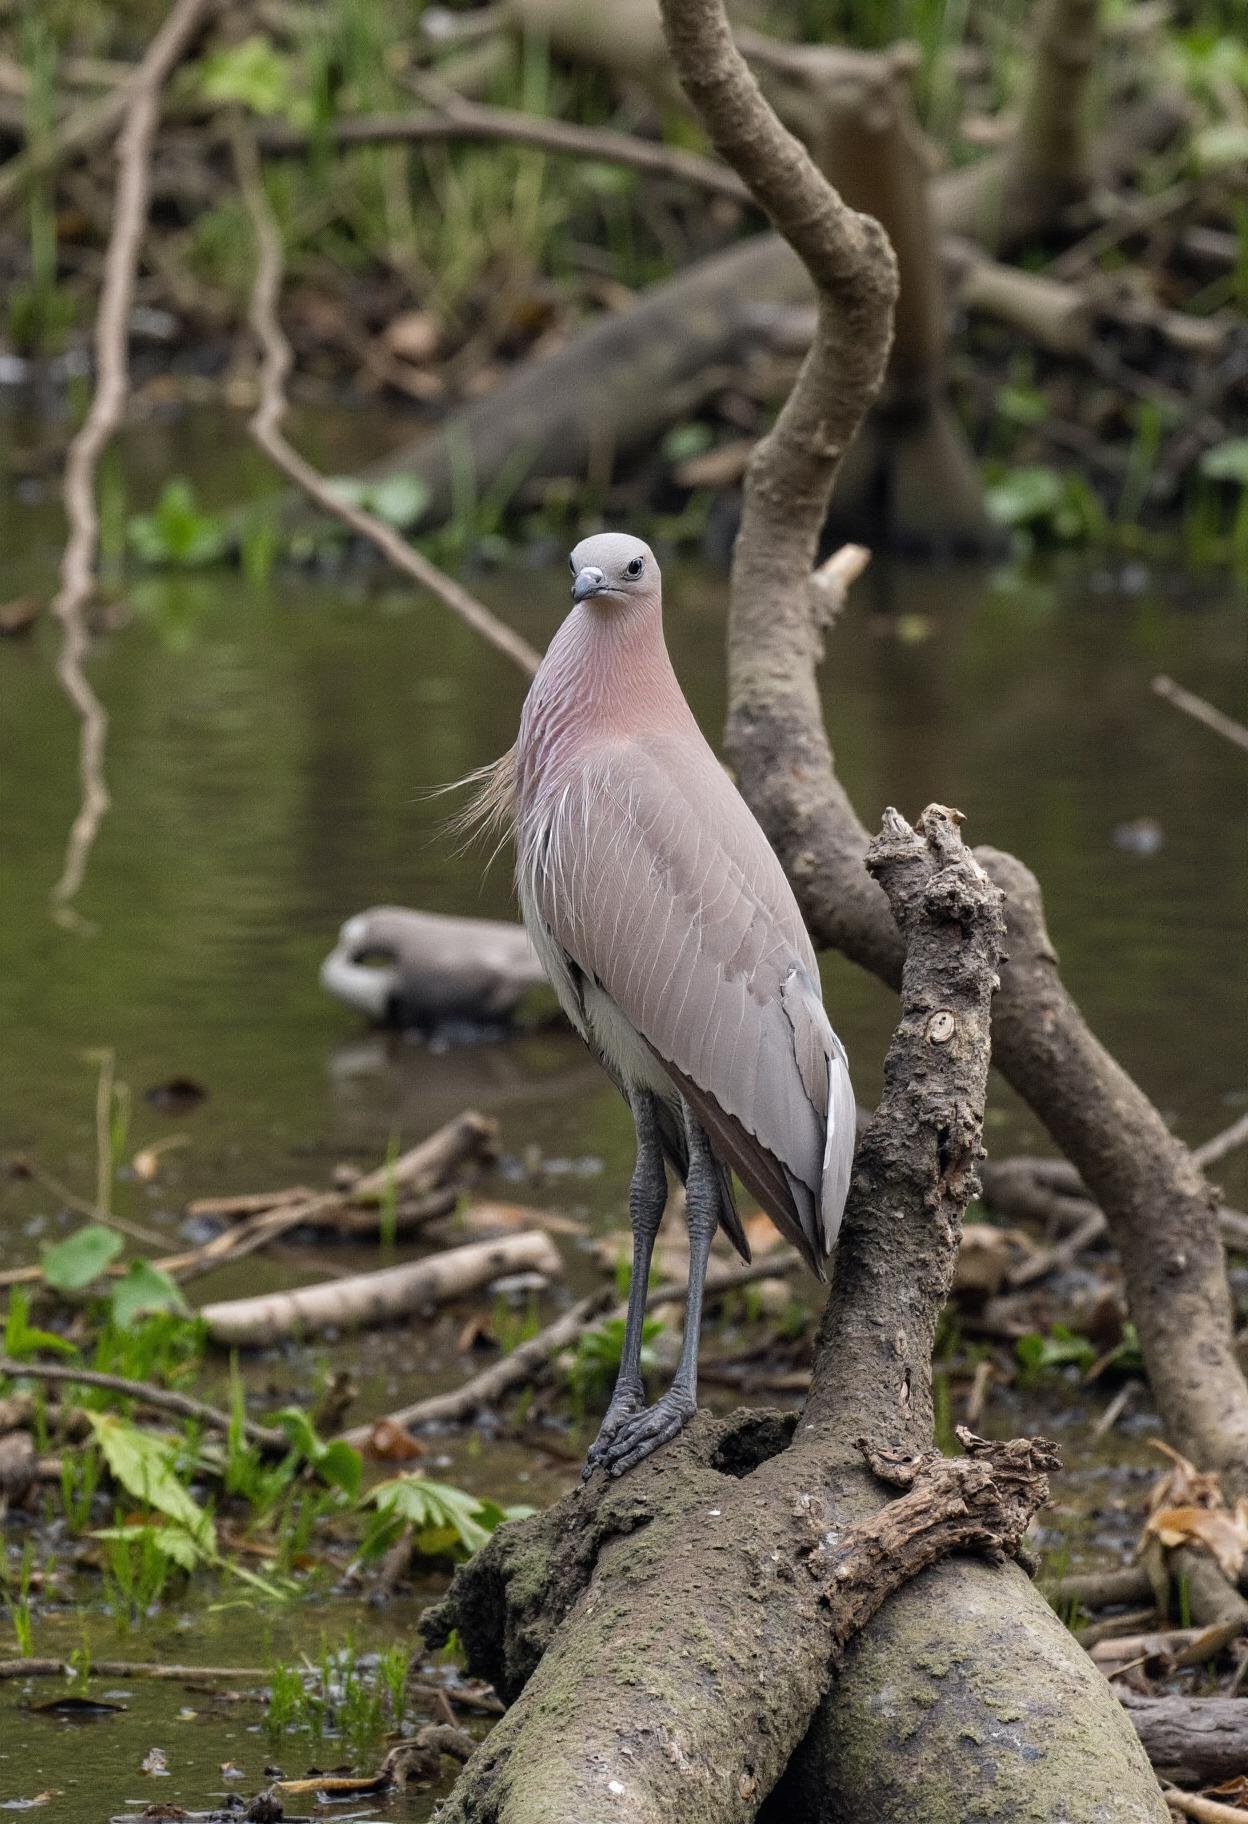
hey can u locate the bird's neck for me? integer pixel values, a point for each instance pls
(606, 673)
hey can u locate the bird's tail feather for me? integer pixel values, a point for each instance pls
(491, 810)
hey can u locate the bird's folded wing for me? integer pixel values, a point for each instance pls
(657, 882)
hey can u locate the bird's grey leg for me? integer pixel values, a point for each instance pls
(647, 1199)
(654, 1425)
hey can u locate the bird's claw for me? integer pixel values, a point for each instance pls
(637, 1436)
(625, 1405)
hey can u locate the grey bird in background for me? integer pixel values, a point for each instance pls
(405, 968)
(674, 943)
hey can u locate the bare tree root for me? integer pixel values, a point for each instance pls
(456, 119)
(641, 1700)
(882, 1370)
(141, 104)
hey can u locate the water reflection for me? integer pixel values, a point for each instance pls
(273, 748)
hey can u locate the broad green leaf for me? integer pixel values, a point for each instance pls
(75, 1262)
(173, 1541)
(22, 1338)
(1024, 495)
(251, 73)
(144, 1466)
(1222, 145)
(441, 1515)
(143, 1289)
(338, 1464)
(685, 440)
(177, 533)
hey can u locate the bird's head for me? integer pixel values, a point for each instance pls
(615, 567)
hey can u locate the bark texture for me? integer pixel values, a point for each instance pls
(1192, 1738)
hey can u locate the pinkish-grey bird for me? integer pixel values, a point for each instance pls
(672, 938)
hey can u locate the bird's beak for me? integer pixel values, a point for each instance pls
(590, 582)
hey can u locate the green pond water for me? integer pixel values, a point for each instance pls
(271, 752)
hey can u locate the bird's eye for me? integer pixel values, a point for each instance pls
(572, 565)
(633, 569)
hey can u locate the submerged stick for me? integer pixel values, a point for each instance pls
(141, 102)
(1201, 711)
(131, 1668)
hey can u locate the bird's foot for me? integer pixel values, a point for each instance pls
(626, 1403)
(637, 1436)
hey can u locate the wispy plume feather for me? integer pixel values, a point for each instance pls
(491, 810)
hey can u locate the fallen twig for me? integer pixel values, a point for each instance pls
(1210, 1151)
(160, 1398)
(519, 1366)
(1101, 1589)
(424, 1174)
(1201, 711)
(265, 426)
(1205, 1811)
(456, 118)
(376, 1298)
(139, 105)
(1194, 1738)
(1034, 1189)
(527, 1361)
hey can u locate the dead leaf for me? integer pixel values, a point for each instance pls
(477, 1333)
(1184, 1485)
(155, 1761)
(391, 1443)
(1220, 1530)
(230, 1770)
(984, 1260)
(1236, 1790)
